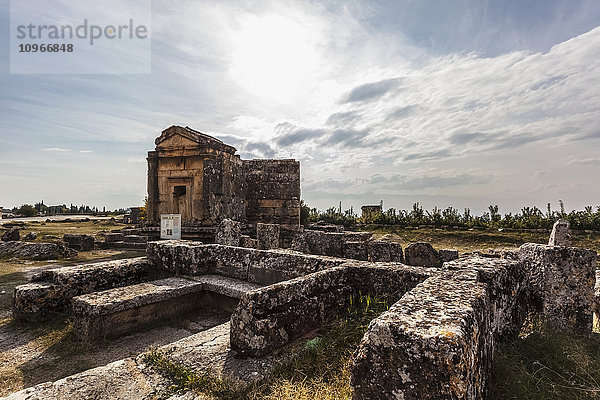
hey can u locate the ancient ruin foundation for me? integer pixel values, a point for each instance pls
(436, 341)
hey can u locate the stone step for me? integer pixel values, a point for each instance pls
(126, 245)
(117, 311)
(226, 286)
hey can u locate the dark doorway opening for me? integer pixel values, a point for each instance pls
(179, 191)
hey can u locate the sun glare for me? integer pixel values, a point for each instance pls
(274, 57)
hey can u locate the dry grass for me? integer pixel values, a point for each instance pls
(467, 241)
(46, 230)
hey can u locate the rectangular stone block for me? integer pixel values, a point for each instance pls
(267, 236)
(268, 318)
(562, 280)
(79, 242)
(434, 343)
(385, 251)
(117, 311)
(356, 250)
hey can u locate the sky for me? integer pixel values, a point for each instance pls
(462, 103)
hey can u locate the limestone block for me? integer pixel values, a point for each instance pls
(248, 242)
(36, 250)
(422, 254)
(380, 250)
(79, 242)
(561, 281)
(116, 311)
(432, 344)
(11, 235)
(561, 234)
(54, 288)
(448, 254)
(267, 236)
(228, 233)
(356, 250)
(268, 318)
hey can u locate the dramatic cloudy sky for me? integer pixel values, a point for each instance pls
(460, 103)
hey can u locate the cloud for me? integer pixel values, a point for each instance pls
(591, 161)
(401, 183)
(262, 148)
(395, 86)
(401, 112)
(429, 155)
(346, 137)
(57, 149)
(371, 91)
(343, 119)
(464, 138)
(298, 136)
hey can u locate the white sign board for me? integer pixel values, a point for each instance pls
(170, 226)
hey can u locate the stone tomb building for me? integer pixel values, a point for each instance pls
(204, 180)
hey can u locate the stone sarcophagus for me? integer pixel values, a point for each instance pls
(204, 180)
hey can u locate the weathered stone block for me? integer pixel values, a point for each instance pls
(11, 235)
(178, 256)
(356, 250)
(561, 234)
(507, 289)
(385, 251)
(448, 254)
(55, 288)
(248, 242)
(30, 236)
(325, 243)
(267, 236)
(36, 251)
(36, 301)
(268, 318)
(228, 233)
(562, 281)
(422, 254)
(114, 237)
(126, 309)
(432, 344)
(79, 242)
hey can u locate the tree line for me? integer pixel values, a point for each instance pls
(28, 210)
(527, 218)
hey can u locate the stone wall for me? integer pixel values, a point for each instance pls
(273, 191)
(257, 266)
(271, 317)
(353, 245)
